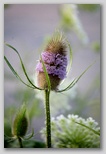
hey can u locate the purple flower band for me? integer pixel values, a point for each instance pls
(55, 64)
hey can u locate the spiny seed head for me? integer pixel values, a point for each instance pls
(55, 60)
(57, 43)
(20, 123)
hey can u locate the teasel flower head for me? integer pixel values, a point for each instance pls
(55, 60)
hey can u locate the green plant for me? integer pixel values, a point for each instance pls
(52, 69)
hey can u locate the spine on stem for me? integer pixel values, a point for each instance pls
(48, 118)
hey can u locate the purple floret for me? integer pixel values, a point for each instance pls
(48, 57)
(55, 64)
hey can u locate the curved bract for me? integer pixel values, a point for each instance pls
(23, 67)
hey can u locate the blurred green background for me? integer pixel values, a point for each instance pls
(27, 27)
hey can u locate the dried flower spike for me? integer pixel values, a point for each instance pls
(55, 60)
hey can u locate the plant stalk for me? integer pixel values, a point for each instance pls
(48, 119)
(20, 142)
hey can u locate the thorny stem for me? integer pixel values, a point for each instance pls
(48, 120)
(20, 142)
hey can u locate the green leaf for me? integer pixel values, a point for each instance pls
(75, 80)
(15, 73)
(46, 74)
(9, 139)
(96, 132)
(29, 135)
(70, 64)
(23, 67)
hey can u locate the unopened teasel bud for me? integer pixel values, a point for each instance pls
(20, 123)
(55, 60)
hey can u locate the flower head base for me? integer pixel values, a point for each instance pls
(55, 60)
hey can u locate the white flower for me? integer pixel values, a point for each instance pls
(74, 132)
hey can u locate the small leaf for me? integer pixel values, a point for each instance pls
(23, 67)
(75, 80)
(29, 135)
(15, 73)
(70, 64)
(47, 76)
(96, 132)
(9, 139)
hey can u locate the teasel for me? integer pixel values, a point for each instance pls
(20, 125)
(54, 57)
(52, 69)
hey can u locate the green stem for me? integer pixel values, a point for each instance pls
(48, 120)
(20, 142)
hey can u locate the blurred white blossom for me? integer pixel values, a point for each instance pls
(74, 132)
(70, 21)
